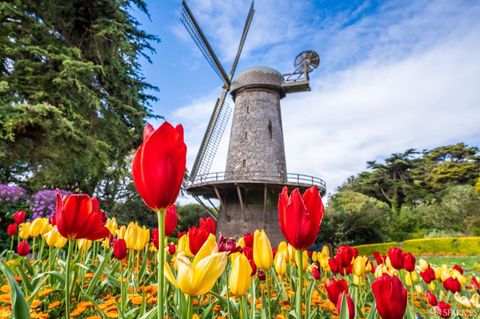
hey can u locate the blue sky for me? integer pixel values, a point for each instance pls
(393, 75)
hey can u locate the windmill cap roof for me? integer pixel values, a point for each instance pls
(259, 76)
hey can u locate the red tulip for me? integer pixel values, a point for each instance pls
(409, 262)
(226, 244)
(78, 217)
(443, 309)
(248, 252)
(119, 249)
(254, 267)
(53, 219)
(335, 265)
(171, 249)
(316, 273)
(432, 300)
(23, 248)
(197, 236)
(159, 165)
(428, 275)
(248, 240)
(458, 268)
(208, 224)
(345, 255)
(396, 256)
(351, 305)
(261, 275)
(171, 220)
(380, 259)
(19, 216)
(300, 216)
(452, 284)
(335, 288)
(12, 229)
(475, 284)
(154, 237)
(390, 297)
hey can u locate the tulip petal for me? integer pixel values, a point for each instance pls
(207, 271)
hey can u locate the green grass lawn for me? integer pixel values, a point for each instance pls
(468, 263)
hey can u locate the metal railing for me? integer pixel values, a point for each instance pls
(288, 178)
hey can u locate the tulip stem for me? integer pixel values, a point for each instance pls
(300, 284)
(67, 279)
(11, 244)
(161, 261)
(189, 307)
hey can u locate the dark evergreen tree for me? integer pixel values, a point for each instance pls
(72, 98)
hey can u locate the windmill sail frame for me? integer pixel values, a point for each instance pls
(221, 114)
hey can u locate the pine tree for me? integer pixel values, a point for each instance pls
(72, 98)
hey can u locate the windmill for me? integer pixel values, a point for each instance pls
(256, 167)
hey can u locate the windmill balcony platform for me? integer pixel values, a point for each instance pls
(207, 185)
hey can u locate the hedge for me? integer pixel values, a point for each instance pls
(465, 246)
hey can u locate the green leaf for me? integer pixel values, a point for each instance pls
(20, 308)
(373, 311)
(344, 311)
(98, 273)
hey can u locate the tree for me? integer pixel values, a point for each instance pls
(354, 218)
(412, 176)
(72, 99)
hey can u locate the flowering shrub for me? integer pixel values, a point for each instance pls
(42, 203)
(12, 197)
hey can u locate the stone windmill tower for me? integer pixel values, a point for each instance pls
(256, 170)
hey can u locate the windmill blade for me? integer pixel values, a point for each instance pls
(251, 12)
(202, 43)
(211, 139)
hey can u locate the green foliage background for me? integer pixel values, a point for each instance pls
(414, 194)
(72, 98)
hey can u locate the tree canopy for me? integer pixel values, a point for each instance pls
(72, 97)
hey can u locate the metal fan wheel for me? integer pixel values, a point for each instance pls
(312, 58)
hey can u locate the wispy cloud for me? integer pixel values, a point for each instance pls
(393, 76)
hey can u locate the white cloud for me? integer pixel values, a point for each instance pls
(404, 77)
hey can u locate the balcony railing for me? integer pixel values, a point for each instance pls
(289, 178)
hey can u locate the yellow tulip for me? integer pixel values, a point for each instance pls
(359, 265)
(262, 250)
(291, 253)
(423, 264)
(241, 242)
(380, 270)
(475, 300)
(84, 244)
(283, 248)
(325, 251)
(198, 277)
(280, 262)
(304, 260)
(240, 274)
(39, 226)
(112, 225)
(432, 286)
(61, 241)
(184, 246)
(136, 237)
(53, 238)
(106, 243)
(314, 256)
(24, 232)
(419, 289)
(414, 276)
(408, 279)
(358, 280)
(323, 260)
(463, 300)
(121, 232)
(368, 267)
